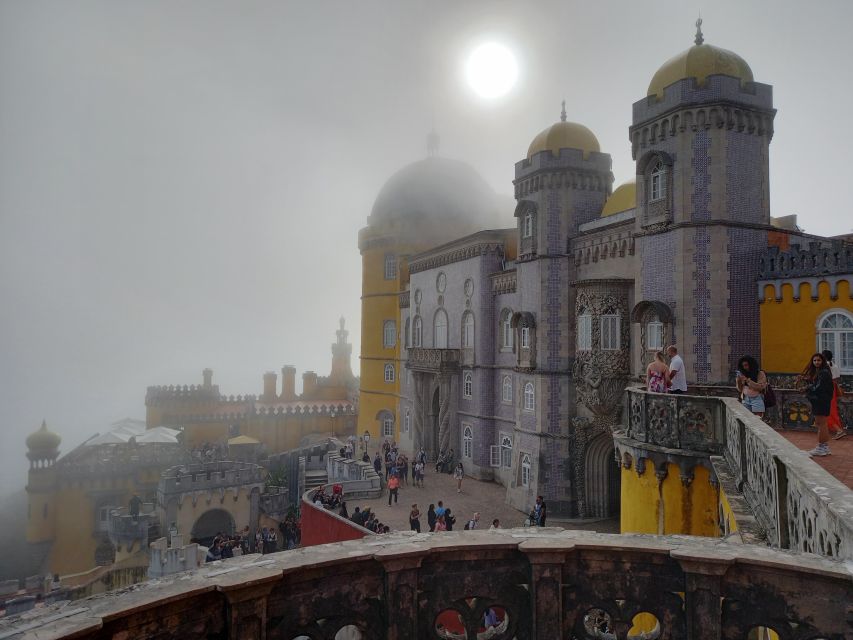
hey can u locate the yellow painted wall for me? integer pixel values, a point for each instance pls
(239, 509)
(41, 507)
(729, 521)
(788, 333)
(668, 507)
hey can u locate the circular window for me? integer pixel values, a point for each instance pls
(469, 287)
(441, 282)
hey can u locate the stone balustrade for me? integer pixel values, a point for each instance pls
(793, 502)
(359, 478)
(433, 360)
(209, 475)
(542, 584)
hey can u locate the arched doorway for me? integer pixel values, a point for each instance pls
(603, 481)
(210, 523)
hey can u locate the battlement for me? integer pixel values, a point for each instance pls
(715, 89)
(165, 560)
(820, 258)
(99, 461)
(208, 476)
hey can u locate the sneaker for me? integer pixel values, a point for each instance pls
(820, 450)
(839, 435)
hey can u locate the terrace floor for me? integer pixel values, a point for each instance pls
(839, 463)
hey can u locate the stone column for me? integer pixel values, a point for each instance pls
(247, 609)
(546, 576)
(703, 576)
(401, 595)
(418, 402)
(444, 413)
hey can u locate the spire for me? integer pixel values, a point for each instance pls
(563, 112)
(699, 37)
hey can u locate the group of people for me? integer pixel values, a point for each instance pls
(820, 381)
(328, 501)
(225, 546)
(441, 518)
(367, 519)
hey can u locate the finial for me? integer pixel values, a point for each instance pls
(699, 38)
(44, 425)
(563, 112)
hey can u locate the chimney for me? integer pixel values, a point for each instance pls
(288, 383)
(309, 384)
(270, 379)
(207, 374)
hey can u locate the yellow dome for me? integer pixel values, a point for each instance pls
(564, 135)
(699, 61)
(623, 199)
(43, 440)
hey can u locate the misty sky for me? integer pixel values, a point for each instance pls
(181, 183)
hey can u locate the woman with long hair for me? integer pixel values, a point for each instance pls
(816, 381)
(415, 518)
(751, 382)
(431, 517)
(656, 374)
(459, 475)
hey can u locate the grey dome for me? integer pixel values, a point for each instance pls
(436, 188)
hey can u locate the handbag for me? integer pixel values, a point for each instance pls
(769, 397)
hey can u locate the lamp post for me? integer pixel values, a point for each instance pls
(366, 439)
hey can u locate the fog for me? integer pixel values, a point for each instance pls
(182, 183)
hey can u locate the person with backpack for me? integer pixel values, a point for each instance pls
(751, 382)
(473, 523)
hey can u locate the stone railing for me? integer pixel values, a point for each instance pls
(540, 585)
(795, 502)
(124, 528)
(359, 478)
(403, 299)
(433, 360)
(209, 475)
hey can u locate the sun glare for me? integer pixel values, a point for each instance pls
(491, 70)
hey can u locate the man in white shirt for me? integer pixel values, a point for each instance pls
(677, 375)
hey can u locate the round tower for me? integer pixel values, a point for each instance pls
(42, 452)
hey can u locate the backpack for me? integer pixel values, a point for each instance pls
(467, 526)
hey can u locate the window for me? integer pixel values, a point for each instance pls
(609, 332)
(408, 336)
(418, 332)
(467, 440)
(506, 389)
(467, 384)
(390, 266)
(506, 451)
(468, 331)
(527, 226)
(389, 373)
(584, 332)
(525, 337)
(439, 331)
(506, 330)
(657, 182)
(388, 427)
(389, 334)
(529, 397)
(525, 470)
(407, 424)
(654, 335)
(835, 332)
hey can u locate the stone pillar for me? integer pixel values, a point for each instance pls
(247, 608)
(546, 576)
(702, 604)
(443, 414)
(401, 591)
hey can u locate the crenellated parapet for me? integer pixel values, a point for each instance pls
(819, 258)
(208, 476)
(504, 282)
(175, 392)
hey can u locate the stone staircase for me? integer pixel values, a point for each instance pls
(314, 479)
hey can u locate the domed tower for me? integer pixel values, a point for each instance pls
(42, 451)
(423, 205)
(700, 139)
(562, 183)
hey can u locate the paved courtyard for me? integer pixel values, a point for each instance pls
(839, 464)
(485, 497)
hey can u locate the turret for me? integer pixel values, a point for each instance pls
(207, 374)
(42, 452)
(309, 384)
(341, 356)
(270, 385)
(288, 383)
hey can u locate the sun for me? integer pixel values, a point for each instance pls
(491, 70)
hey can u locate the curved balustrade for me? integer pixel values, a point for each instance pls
(542, 584)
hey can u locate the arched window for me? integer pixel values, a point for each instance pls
(439, 330)
(468, 330)
(506, 451)
(418, 332)
(584, 332)
(390, 266)
(506, 331)
(386, 420)
(467, 384)
(389, 373)
(835, 332)
(529, 397)
(467, 440)
(389, 334)
(506, 389)
(408, 336)
(527, 226)
(657, 181)
(654, 334)
(525, 470)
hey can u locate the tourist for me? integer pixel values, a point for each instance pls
(459, 475)
(449, 519)
(418, 473)
(403, 468)
(415, 519)
(677, 377)
(343, 513)
(834, 422)
(439, 510)
(474, 522)
(273, 539)
(365, 457)
(496, 524)
(440, 524)
(431, 517)
(393, 487)
(817, 382)
(377, 464)
(751, 382)
(538, 513)
(656, 374)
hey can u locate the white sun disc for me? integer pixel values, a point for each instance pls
(491, 70)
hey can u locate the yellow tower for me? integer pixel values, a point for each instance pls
(42, 451)
(421, 206)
